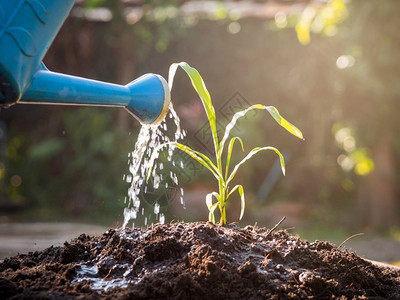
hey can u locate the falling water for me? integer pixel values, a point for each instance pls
(156, 208)
(162, 218)
(150, 137)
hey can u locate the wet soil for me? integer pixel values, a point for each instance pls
(195, 261)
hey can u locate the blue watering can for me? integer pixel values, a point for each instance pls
(27, 28)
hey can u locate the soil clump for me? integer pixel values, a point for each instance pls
(195, 261)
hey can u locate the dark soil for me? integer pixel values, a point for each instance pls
(195, 261)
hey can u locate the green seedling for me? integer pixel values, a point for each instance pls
(221, 171)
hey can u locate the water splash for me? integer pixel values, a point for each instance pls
(162, 219)
(156, 208)
(90, 273)
(149, 138)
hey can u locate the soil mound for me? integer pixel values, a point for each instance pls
(195, 261)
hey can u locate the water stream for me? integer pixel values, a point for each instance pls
(149, 138)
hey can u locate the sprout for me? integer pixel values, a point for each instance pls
(224, 176)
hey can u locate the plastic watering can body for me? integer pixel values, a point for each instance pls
(27, 28)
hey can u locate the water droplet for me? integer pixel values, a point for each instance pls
(143, 159)
(131, 194)
(156, 182)
(156, 208)
(136, 204)
(129, 178)
(129, 213)
(162, 218)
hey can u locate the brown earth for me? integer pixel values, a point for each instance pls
(195, 261)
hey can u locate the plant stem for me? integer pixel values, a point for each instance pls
(223, 215)
(221, 185)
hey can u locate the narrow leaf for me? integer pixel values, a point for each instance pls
(198, 155)
(211, 215)
(230, 148)
(283, 122)
(273, 112)
(209, 201)
(201, 89)
(201, 158)
(232, 124)
(211, 207)
(171, 74)
(251, 153)
(242, 200)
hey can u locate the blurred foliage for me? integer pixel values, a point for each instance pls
(70, 168)
(322, 20)
(346, 76)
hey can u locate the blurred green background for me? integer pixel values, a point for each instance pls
(331, 67)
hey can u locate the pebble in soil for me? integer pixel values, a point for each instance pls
(196, 261)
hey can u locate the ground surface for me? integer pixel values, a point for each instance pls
(18, 238)
(195, 261)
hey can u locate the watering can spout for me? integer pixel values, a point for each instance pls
(25, 35)
(146, 98)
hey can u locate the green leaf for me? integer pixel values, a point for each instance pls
(251, 153)
(230, 148)
(242, 200)
(201, 89)
(198, 156)
(232, 124)
(211, 207)
(204, 160)
(284, 123)
(273, 112)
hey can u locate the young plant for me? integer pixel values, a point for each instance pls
(223, 174)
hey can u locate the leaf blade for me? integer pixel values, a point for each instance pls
(272, 111)
(240, 189)
(250, 154)
(201, 89)
(199, 157)
(229, 154)
(211, 207)
(283, 122)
